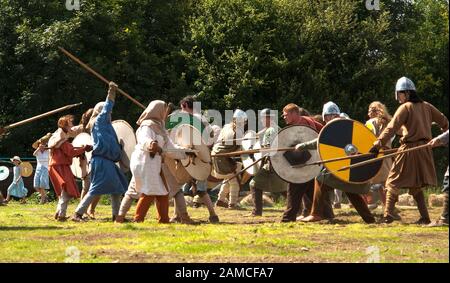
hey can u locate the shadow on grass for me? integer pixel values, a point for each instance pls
(31, 228)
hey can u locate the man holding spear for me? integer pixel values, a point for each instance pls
(415, 169)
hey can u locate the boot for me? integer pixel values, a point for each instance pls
(185, 219)
(388, 216)
(119, 219)
(175, 219)
(213, 219)
(422, 206)
(77, 217)
(220, 203)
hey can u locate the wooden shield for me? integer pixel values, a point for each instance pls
(177, 170)
(344, 137)
(185, 135)
(250, 142)
(178, 118)
(79, 167)
(4, 173)
(127, 138)
(282, 161)
(27, 169)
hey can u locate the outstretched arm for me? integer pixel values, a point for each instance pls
(309, 145)
(439, 140)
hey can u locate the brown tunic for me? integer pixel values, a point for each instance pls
(413, 169)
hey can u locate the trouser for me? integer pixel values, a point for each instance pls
(89, 197)
(86, 183)
(162, 207)
(295, 194)
(418, 195)
(125, 205)
(230, 188)
(63, 202)
(361, 207)
(322, 206)
(180, 204)
(337, 196)
(306, 205)
(257, 197)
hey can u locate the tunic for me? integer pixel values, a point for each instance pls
(266, 179)
(106, 177)
(146, 169)
(413, 169)
(17, 189)
(41, 174)
(59, 169)
(382, 175)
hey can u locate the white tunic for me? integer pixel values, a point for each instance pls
(146, 169)
(42, 158)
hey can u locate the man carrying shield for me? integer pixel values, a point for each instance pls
(326, 182)
(295, 192)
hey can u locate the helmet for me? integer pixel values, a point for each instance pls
(344, 115)
(330, 108)
(240, 115)
(266, 112)
(404, 84)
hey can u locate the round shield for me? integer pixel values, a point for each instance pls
(4, 173)
(127, 138)
(198, 166)
(283, 161)
(26, 169)
(178, 118)
(80, 166)
(177, 170)
(345, 137)
(250, 142)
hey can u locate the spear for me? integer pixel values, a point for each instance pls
(343, 158)
(29, 120)
(252, 151)
(89, 69)
(359, 164)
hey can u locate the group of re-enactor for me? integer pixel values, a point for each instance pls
(153, 182)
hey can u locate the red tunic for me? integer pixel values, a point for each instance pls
(308, 121)
(59, 169)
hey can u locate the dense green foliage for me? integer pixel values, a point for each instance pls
(236, 53)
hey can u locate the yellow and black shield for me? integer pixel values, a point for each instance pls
(346, 137)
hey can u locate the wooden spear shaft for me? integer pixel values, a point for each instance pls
(252, 151)
(235, 175)
(89, 69)
(343, 158)
(41, 116)
(359, 164)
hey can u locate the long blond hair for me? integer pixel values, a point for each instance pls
(382, 115)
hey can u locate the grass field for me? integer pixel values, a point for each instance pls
(28, 233)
